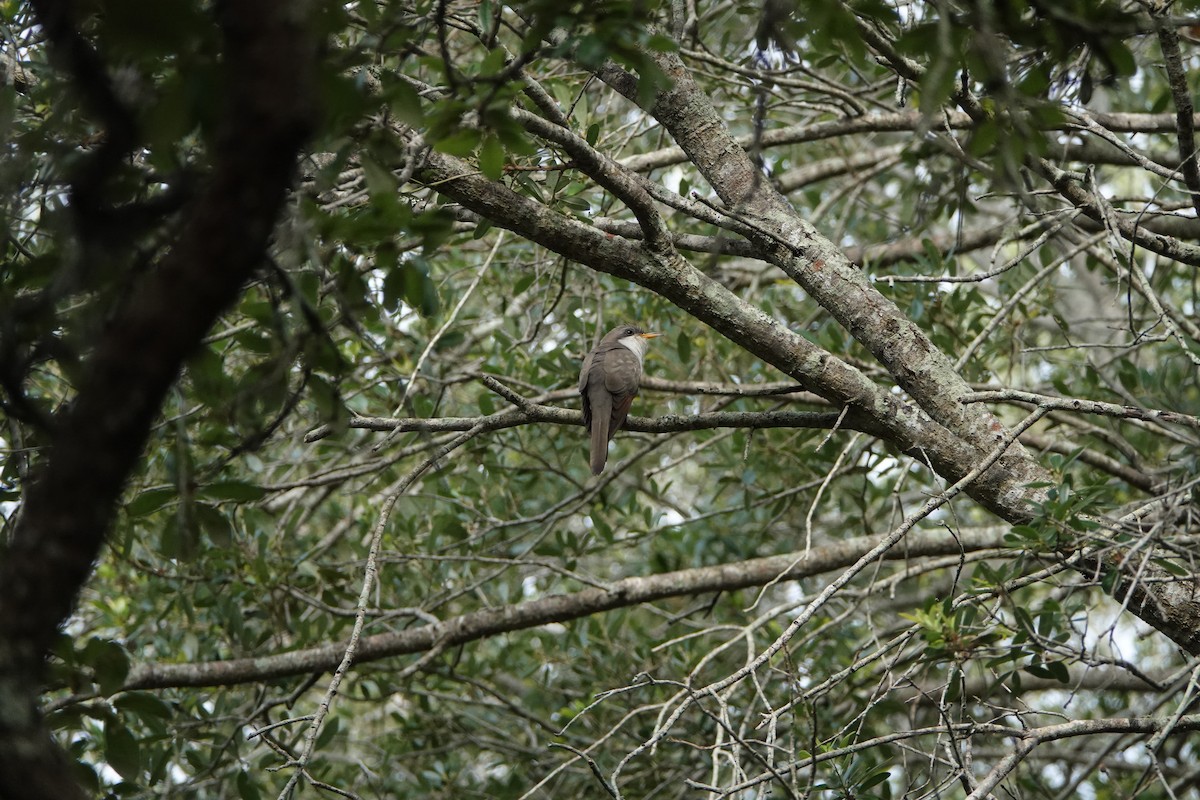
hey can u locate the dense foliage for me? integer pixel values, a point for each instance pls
(817, 566)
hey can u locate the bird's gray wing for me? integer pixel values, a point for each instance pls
(597, 415)
(622, 375)
(584, 372)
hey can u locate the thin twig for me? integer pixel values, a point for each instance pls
(807, 614)
(371, 570)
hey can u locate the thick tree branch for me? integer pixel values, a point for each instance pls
(1166, 601)
(952, 448)
(1071, 187)
(1185, 122)
(609, 174)
(99, 436)
(624, 593)
(883, 414)
(820, 267)
(924, 372)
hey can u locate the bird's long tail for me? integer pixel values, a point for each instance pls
(601, 418)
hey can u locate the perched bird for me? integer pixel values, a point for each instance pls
(608, 383)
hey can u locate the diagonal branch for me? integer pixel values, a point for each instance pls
(99, 436)
(1158, 598)
(1068, 184)
(488, 622)
(820, 267)
(612, 176)
(1181, 93)
(883, 414)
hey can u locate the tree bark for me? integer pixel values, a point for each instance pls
(938, 429)
(625, 593)
(98, 439)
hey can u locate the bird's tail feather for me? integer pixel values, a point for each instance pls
(601, 417)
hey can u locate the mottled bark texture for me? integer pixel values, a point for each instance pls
(931, 423)
(98, 438)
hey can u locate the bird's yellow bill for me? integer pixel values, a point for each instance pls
(649, 335)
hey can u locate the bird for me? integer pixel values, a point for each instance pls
(608, 382)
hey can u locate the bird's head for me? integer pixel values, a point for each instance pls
(632, 337)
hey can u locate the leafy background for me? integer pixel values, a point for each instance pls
(247, 528)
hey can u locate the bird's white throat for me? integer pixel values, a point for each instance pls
(636, 344)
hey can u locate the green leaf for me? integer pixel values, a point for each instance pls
(247, 788)
(492, 63)
(150, 501)
(1039, 670)
(405, 104)
(683, 347)
(109, 663)
(172, 541)
(214, 524)
(380, 181)
(874, 780)
(143, 704)
(1121, 58)
(460, 143)
(134, 26)
(651, 81)
(487, 405)
(486, 13)
(122, 751)
(328, 399)
(332, 726)
(419, 290)
(491, 158)
(523, 283)
(343, 98)
(481, 229)
(322, 354)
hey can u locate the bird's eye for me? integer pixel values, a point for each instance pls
(629, 331)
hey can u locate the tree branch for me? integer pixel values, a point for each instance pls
(99, 437)
(608, 173)
(1082, 406)
(821, 268)
(894, 122)
(1068, 184)
(534, 414)
(556, 608)
(1185, 122)
(1029, 739)
(883, 414)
